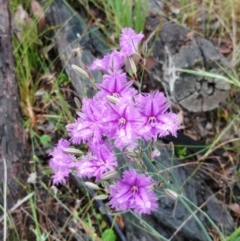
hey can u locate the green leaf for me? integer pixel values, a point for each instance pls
(109, 235)
(181, 151)
(45, 139)
(235, 236)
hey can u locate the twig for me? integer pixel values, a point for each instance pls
(29, 215)
(18, 204)
(201, 206)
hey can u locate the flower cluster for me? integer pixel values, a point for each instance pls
(116, 114)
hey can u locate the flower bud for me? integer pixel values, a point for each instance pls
(173, 195)
(145, 50)
(92, 186)
(131, 66)
(112, 99)
(105, 186)
(72, 151)
(101, 197)
(80, 71)
(155, 153)
(133, 153)
(77, 102)
(105, 210)
(108, 175)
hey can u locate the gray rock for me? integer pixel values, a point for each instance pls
(74, 42)
(175, 48)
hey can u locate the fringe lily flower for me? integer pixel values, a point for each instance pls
(115, 84)
(129, 41)
(95, 165)
(133, 192)
(88, 127)
(157, 122)
(111, 62)
(124, 123)
(61, 163)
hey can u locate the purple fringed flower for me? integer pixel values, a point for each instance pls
(61, 163)
(95, 165)
(116, 85)
(133, 192)
(124, 122)
(89, 127)
(129, 41)
(110, 63)
(156, 121)
(80, 131)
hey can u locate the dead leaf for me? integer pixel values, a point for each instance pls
(26, 28)
(136, 58)
(226, 45)
(38, 13)
(149, 63)
(20, 21)
(235, 207)
(120, 221)
(189, 35)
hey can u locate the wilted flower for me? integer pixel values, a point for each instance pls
(130, 66)
(155, 153)
(32, 178)
(133, 192)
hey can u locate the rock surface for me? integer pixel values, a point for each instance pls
(74, 42)
(175, 48)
